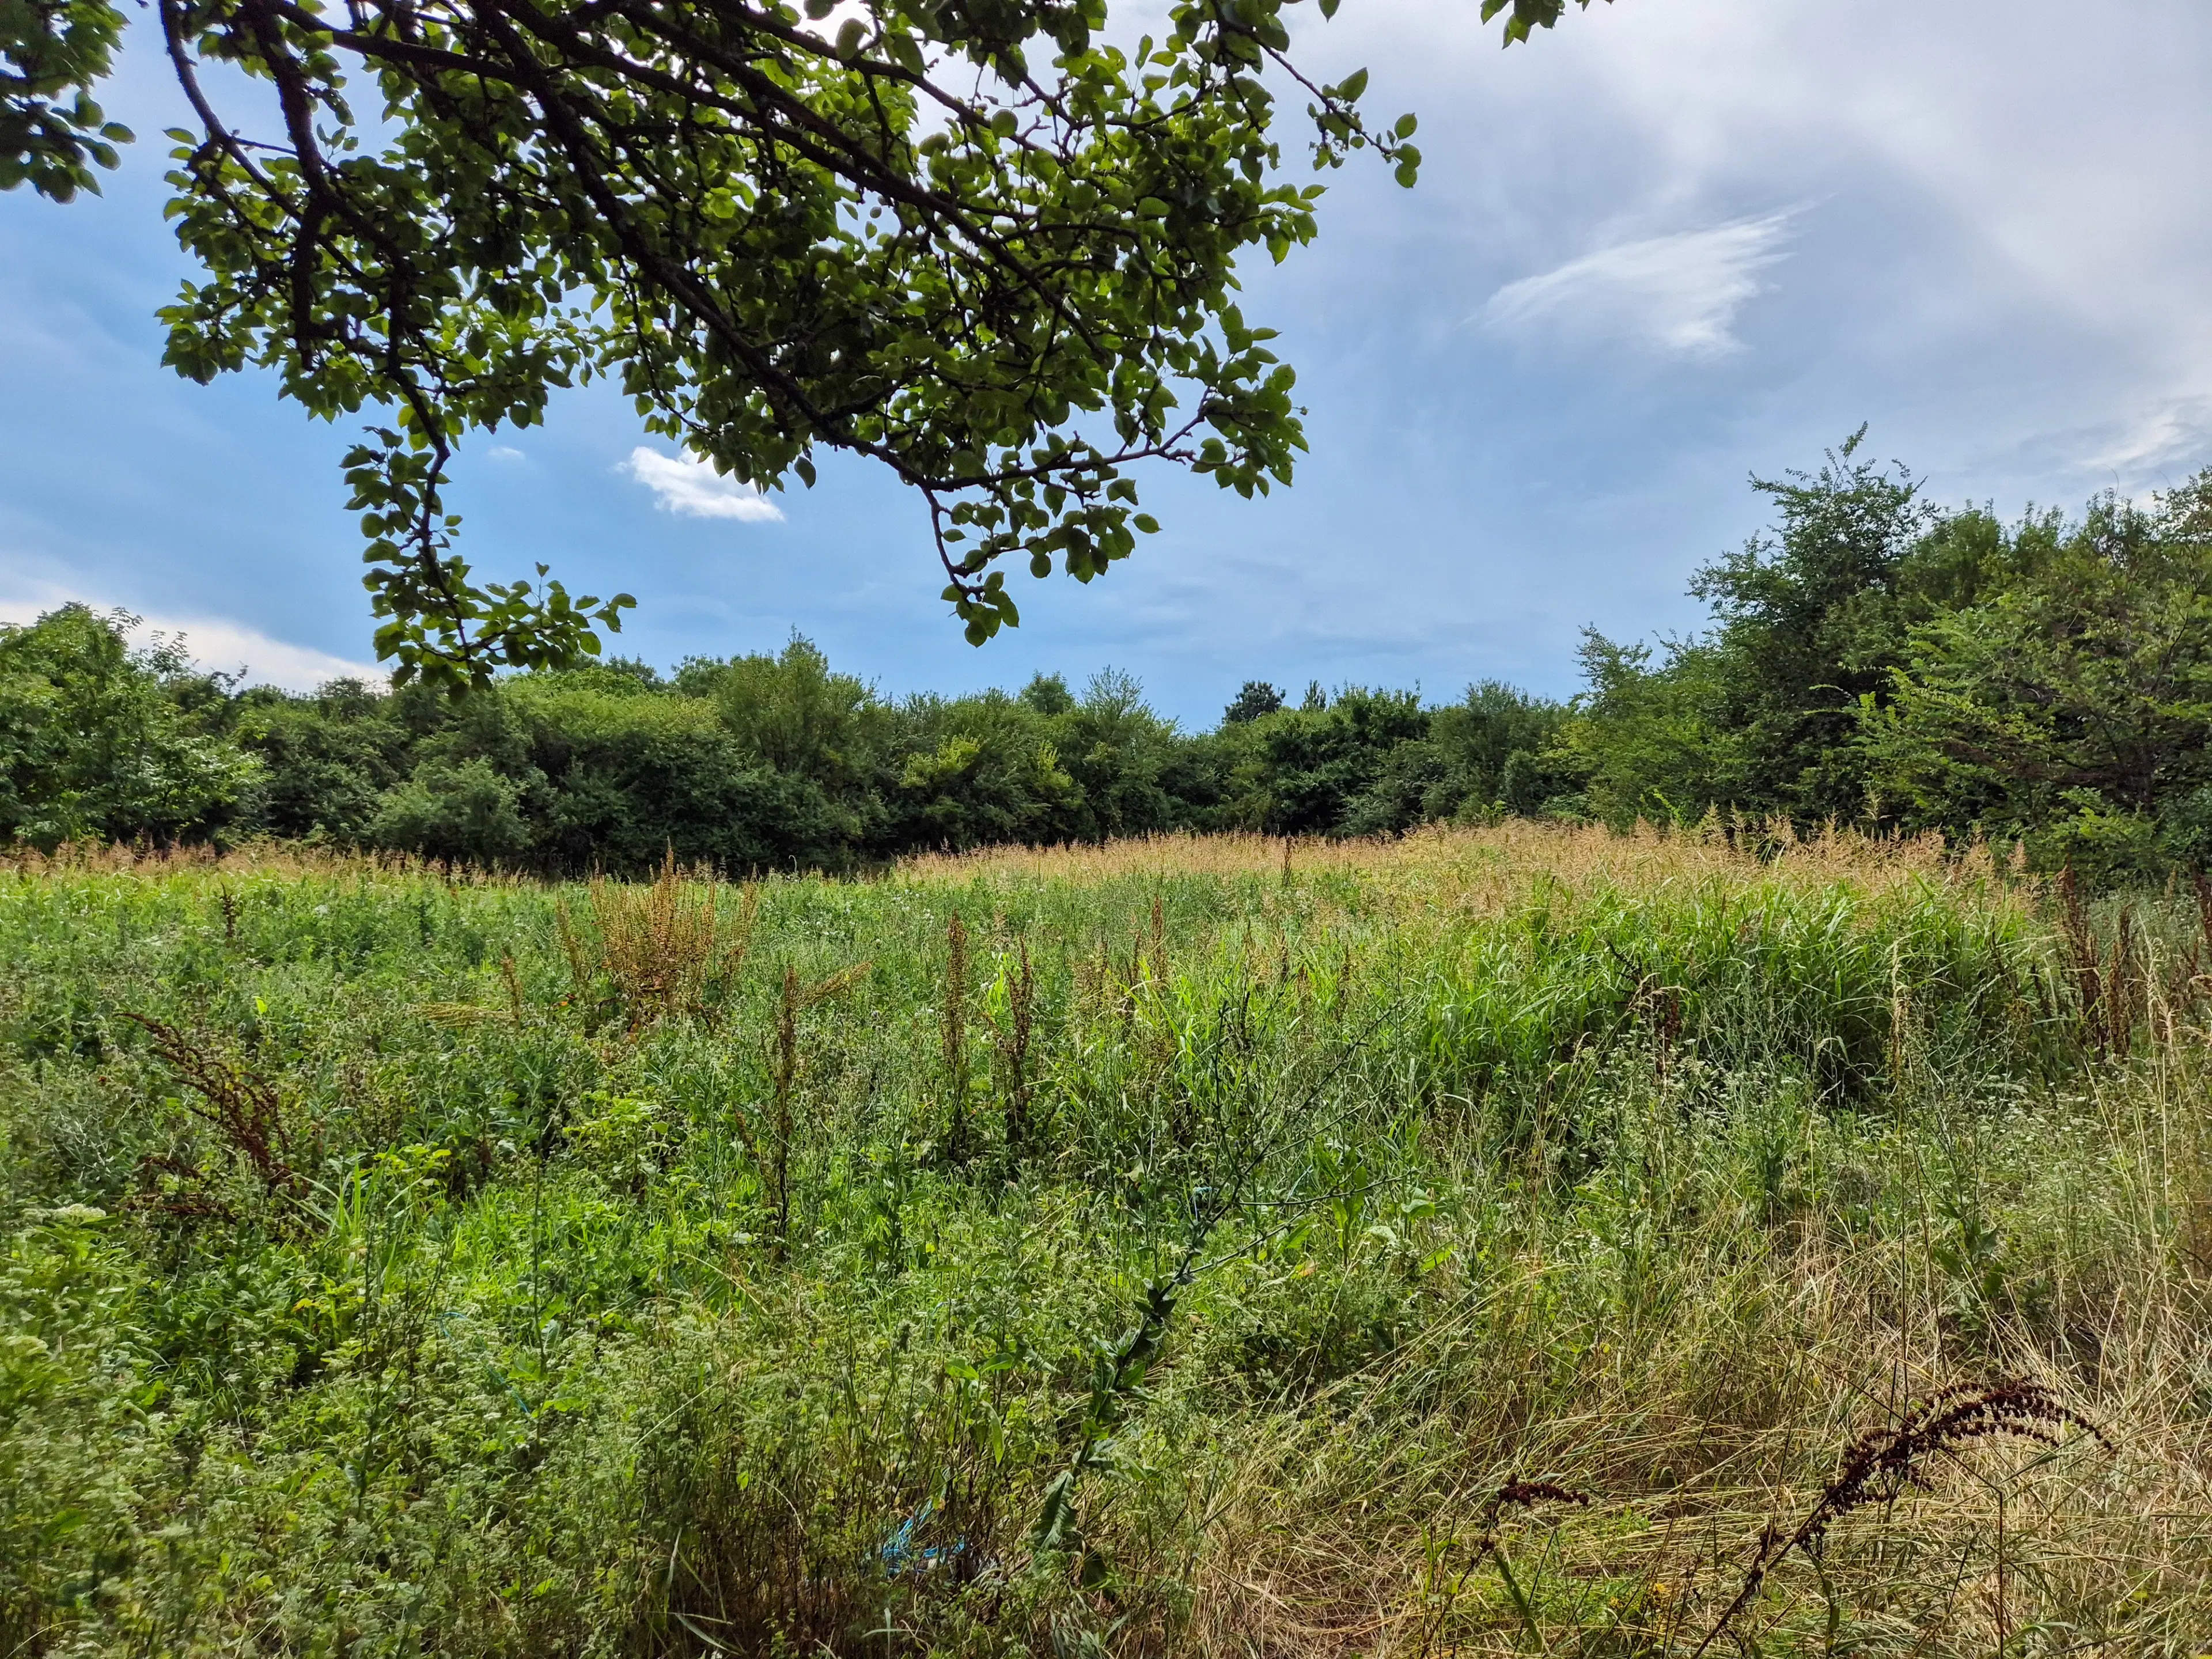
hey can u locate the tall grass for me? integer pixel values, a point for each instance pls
(1515, 1240)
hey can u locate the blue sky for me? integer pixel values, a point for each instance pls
(1672, 244)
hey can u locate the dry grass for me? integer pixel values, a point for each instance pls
(258, 857)
(1503, 859)
(661, 946)
(1721, 1441)
(1507, 855)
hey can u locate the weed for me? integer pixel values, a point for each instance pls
(1013, 1037)
(784, 1068)
(954, 1040)
(242, 1107)
(663, 949)
(1882, 1463)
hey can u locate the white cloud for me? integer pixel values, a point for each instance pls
(685, 484)
(1677, 293)
(2170, 435)
(213, 642)
(503, 453)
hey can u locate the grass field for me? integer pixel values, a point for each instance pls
(1515, 1241)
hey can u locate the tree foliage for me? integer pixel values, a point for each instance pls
(98, 739)
(2072, 702)
(1872, 660)
(1808, 620)
(753, 762)
(977, 242)
(1879, 662)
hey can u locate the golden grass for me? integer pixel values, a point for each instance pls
(1511, 852)
(1440, 856)
(661, 942)
(260, 857)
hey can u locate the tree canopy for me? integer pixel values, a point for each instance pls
(1879, 661)
(1872, 659)
(748, 762)
(971, 239)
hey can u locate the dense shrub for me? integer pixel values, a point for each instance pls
(97, 739)
(1874, 661)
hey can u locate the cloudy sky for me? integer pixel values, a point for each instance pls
(1671, 245)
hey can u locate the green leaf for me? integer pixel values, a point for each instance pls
(763, 282)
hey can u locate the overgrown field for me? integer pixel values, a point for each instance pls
(1522, 1240)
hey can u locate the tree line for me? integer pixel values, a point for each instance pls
(1871, 659)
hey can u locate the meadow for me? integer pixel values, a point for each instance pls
(1527, 1239)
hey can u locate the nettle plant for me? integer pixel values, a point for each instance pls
(971, 239)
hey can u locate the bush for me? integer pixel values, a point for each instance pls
(96, 740)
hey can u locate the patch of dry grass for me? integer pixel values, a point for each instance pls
(1702, 1407)
(1502, 857)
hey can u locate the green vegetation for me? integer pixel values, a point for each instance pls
(1872, 662)
(99, 742)
(944, 1209)
(1499, 1240)
(1876, 661)
(757, 763)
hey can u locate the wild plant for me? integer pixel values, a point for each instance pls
(953, 1040)
(663, 948)
(1879, 1466)
(784, 1065)
(1013, 1034)
(1445, 1584)
(781, 1126)
(1158, 973)
(2110, 992)
(245, 1109)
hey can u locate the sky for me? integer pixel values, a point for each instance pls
(1666, 247)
